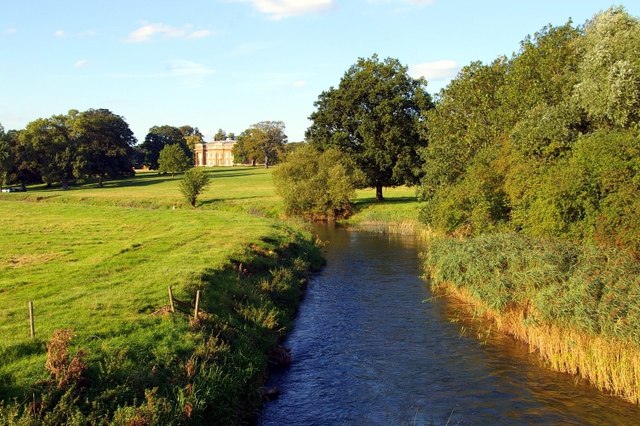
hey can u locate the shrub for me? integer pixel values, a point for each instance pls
(317, 185)
(195, 180)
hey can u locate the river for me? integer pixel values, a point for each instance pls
(371, 346)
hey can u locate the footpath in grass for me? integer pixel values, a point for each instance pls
(99, 262)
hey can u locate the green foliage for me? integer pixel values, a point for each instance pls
(373, 118)
(263, 142)
(543, 143)
(609, 86)
(93, 143)
(157, 138)
(173, 160)
(104, 143)
(314, 184)
(194, 181)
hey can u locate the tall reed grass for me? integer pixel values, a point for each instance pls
(577, 306)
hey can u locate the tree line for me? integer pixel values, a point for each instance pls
(545, 142)
(98, 144)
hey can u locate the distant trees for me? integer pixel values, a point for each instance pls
(263, 142)
(160, 136)
(173, 160)
(192, 136)
(373, 117)
(104, 144)
(220, 135)
(194, 181)
(6, 158)
(90, 144)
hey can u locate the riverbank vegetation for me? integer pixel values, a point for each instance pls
(532, 178)
(97, 264)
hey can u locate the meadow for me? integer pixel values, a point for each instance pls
(98, 261)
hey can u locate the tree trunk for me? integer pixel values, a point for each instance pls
(379, 196)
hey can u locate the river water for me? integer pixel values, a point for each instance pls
(371, 346)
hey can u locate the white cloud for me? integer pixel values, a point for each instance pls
(299, 84)
(9, 31)
(278, 9)
(199, 34)
(59, 33)
(81, 63)
(148, 31)
(435, 71)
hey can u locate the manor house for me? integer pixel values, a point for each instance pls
(216, 153)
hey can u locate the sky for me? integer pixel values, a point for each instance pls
(228, 64)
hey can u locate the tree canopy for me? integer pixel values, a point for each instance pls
(173, 160)
(373, 117)
(160, 136)
(104, 143)
(545, 142)
(263, 142)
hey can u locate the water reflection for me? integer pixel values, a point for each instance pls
(366, 350)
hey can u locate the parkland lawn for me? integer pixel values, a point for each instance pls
(99, 261)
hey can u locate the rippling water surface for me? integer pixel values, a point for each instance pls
(371, 347)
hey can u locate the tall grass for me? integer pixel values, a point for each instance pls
(578, 306)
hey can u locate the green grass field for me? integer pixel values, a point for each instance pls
(99, 261)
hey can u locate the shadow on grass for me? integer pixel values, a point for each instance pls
(363, 203)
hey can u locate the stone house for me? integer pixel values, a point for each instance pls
(216, 153)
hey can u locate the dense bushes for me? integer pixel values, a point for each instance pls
(316, 185)
(545, 142)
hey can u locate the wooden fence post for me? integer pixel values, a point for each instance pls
(173, 309)
(32, 325)
(195, 312)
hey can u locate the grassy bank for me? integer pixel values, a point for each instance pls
(397, 214)
(578, 307)
(99, 261)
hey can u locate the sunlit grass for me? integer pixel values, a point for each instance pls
(99, 261)
(397, 213)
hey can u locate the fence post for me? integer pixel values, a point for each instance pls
(173, 309)
(32, 325)
(195, 312)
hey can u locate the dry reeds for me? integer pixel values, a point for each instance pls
(577, 307)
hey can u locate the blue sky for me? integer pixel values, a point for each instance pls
(231, 63)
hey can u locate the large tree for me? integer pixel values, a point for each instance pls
(105, 144)
(262, 142)
(192, 136)
(373, 117)
(52, 147)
